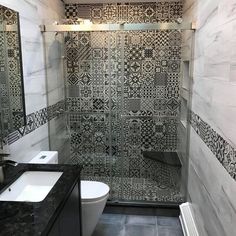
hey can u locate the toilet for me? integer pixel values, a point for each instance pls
(93, 200)
(94, 194)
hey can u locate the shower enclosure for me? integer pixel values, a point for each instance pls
(122, 107)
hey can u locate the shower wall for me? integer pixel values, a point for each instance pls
(123, 99)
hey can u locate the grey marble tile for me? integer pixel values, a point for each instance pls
(140, 230)
(113, 219)
(167, 231)
(141, 220)
(137, 225)
(207, 182)
(32, 14)
(168, 221)
(140, 211)
(103, 229)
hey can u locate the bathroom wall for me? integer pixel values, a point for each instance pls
(123, 98)
(212, 165)
(29, 140)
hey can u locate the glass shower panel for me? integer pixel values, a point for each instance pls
(116, 97)
(59, 133)
(89, 102)
(123, 111)
(147, 116)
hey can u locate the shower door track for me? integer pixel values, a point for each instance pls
(143, 203)
(119, 27)
(169, 209)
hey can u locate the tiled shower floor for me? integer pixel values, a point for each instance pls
(154, 182)
(140, 189)
(137, 225)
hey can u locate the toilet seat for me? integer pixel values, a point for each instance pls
(93, 191)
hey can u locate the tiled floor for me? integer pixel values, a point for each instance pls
(137, 225)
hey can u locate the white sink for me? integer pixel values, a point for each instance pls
(31, 186)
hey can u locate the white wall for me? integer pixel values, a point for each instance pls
(211, 189)
(32, 14)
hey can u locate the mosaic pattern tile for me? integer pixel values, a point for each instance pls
(162, 189)
(37, 119)
(123, 106)
(127, 12)
(224, 152)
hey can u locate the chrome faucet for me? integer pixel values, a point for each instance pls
(4, 163)
(8, 162)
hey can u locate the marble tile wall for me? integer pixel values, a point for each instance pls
(32, 14)
(211, 183)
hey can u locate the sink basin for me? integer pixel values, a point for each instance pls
(31, 186)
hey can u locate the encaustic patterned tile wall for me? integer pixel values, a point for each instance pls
(123, 95)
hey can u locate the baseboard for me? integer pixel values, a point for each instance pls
(171, 210)
(187, 220)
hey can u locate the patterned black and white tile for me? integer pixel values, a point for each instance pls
(123, 106)
(149, 12)
(222, 149)
(36, 120)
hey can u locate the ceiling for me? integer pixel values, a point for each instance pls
(113, 1)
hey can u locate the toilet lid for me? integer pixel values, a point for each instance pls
(93, 189)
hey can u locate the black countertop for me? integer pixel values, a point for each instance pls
(36, 218)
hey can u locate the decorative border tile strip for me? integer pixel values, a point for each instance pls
(224, 152)
(36, 120)
(149, 12)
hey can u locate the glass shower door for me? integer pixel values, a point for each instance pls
(147, 86)
(122, 103)
(91, 102)
(59, 133)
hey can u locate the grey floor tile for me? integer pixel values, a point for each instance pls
(140, 220)
(168, 221)
(112, 219)
(139, 211)
(103, 229)
(167, 231)
(114, 210)
(140, 230)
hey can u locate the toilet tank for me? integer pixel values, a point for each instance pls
(45, 157)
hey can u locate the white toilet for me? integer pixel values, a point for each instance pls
(93, 199)
(93, 195)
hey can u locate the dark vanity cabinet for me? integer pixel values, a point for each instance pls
(68, 221)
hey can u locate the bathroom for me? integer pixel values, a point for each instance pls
(126, 109)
